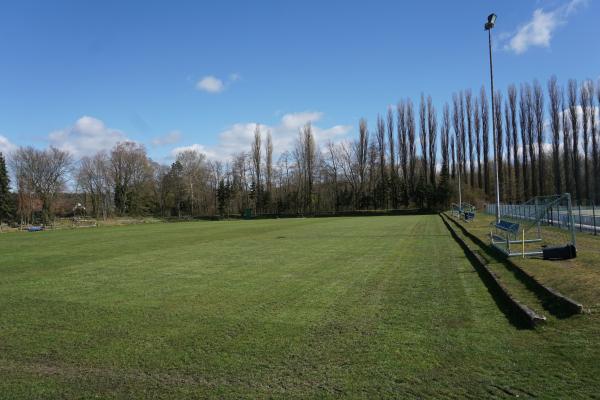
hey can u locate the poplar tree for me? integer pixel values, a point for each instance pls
(554, 94)
(574, 118)
(469, 134)
(538, 111)
(485, 133)
(512, 101)
(524, 141)
(585, 123)
(509, 179)
(477, 131)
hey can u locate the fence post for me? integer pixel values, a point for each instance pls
(579, 206)
(594, 216)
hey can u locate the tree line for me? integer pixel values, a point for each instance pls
(547, 141)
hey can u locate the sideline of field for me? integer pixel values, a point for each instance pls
(521, 313)
(577, 278)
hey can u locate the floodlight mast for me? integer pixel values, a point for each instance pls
(488, 27)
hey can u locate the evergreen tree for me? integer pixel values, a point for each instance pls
(5, 197)
(223, 196)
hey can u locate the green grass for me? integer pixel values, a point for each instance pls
(332, 307)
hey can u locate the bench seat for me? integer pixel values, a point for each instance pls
(507, 226)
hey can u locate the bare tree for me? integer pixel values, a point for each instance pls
(423, 138)
(381, 155)
(523, 119)
(361, 154)
(538, 107)
(215, 177)
(555, 111)
(445, 140)
(453, 154)
(443, 186)
(478, 144)
(402, 132)
(269, 165)
(372, 175)
(392, 158)
(432, 139)
(463, 134)
(349, 170)
(93, 177)
(499, 136)
(129, 171)
(311, 162)
(458, 138)
(512, 101)
(508, 177)
(44, 172)
(573, 113)
(412, 147)
(567, 158)
(256, 162)
(486, 140)
(194, 175)
(530, 118)
(586, 94)
(25, 192)
(334, 162)
(469, 114)
(162, 189)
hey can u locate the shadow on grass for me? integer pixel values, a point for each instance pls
(503, 302)
(550, 303)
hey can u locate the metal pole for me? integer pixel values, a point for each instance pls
(594, 216)
(579, 206)
(538, 221)
(523, 243)
(571, 219)
(494, 127)
(459, 188)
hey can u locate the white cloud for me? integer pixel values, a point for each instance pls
(210, 84)
(87, 136)
(6, 147)
(170, 138)
(238, 137)
(572, 6)
(194, 147)
(539, 30)
(298, 120)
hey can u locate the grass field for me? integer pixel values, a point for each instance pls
(332, 307)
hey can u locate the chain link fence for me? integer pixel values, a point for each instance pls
(586, 218)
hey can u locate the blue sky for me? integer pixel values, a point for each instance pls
(82, 75)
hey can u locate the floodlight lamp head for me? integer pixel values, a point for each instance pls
(490, 22)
